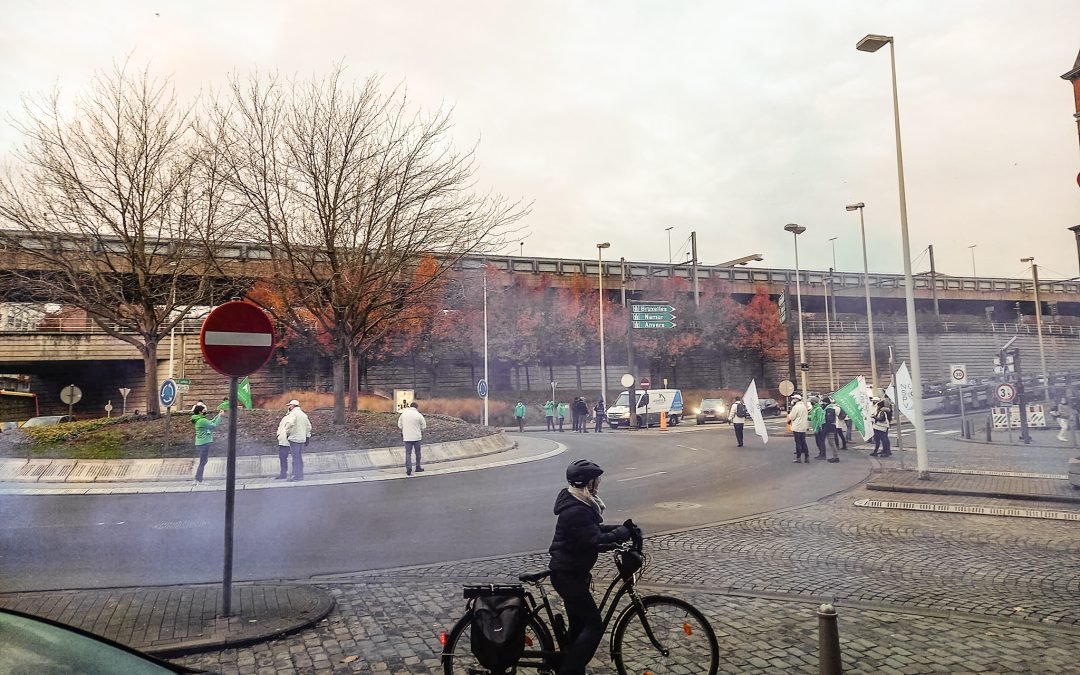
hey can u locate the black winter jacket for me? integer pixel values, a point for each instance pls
(580, 535)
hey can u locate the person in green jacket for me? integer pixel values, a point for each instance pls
(563, 410)
(519, 414)
(817, 425)
(204, 436)
(549, 414)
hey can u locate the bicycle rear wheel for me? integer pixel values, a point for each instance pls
(677, 626)
(457, 657)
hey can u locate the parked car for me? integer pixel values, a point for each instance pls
(769, 407)
(649, 406)
(36, 645)
(711, 410)
(47, 420)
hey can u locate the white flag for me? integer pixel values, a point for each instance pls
(753, 406)
(905, 402)
(862, 396)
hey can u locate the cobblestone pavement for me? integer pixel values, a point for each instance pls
(916, 592)
(1014, 487)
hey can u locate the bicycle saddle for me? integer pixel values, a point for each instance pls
(533, 578)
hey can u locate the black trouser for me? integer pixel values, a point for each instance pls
(882, 437)
(283, 459)
(521, 423)
(575, 419)
(586, 626)
(800, 445)
(819, 439)
(550, 423)
(738, 433)
(841, 437)
(410, 446)
(561, 420)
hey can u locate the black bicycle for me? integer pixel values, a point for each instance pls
(654, 634)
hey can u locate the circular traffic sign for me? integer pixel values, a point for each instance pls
(627, 380)
(71, 394)
(167, 393)
(1006, 393)
(959, 374)
(237, 339)
(786, 388)
(482, 389)
(645, 383)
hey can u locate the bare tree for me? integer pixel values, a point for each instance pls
(364, 205)
(115, 207)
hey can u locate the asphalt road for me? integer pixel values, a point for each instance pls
(663, 481)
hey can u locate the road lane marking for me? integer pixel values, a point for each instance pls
(648, 475)
(947, 433)
(687, 447)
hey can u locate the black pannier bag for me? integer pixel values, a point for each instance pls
(499, 617)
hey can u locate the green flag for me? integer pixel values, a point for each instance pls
(848, 400)
(243, 393)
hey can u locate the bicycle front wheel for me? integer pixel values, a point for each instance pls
(457, 657)
(676, 627)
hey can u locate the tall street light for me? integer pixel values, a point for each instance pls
(600, 279)
(872, 43)
(866, 287)
(1076, 231)
(668, 230)
(797, 230)
(973, 273)
(1038, 323)
(832, 287)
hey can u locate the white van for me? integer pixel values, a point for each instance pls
(649, 406)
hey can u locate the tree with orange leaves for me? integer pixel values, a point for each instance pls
(759, 332)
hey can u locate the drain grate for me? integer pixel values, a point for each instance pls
(180, 525)
(970, 509)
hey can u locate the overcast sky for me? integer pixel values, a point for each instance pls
(620, 119)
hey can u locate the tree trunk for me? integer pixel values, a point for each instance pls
(354, 382)
(434, 377)
(720, 367)
(150, 377)
(577, 367)
(413, 361)
(339, 388)
(528, 384)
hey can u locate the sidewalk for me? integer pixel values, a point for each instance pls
(169, 621)
(999, 485)
(148, 476)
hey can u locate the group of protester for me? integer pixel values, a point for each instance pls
(556, 413)
(831, 427)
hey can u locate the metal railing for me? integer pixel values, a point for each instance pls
(816, 326)
(83, 325)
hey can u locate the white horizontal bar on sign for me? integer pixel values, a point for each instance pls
(229, 339)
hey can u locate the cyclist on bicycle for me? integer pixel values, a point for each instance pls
(580, 535)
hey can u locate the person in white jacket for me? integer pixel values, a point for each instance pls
(294, 431)
(412, 425)
(738, 415)
(800, 424)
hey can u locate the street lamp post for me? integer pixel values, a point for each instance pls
(872, 43)
(973, 273)
(832, 288)
(1038, 323)
(866, 287)
(828, 333)
(668, 230)
(600, 281)
(486, 347)
(797, 230)
(1076, 231)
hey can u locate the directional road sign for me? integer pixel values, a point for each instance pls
(1006, 393)
(237, 339)
(654, 324)
(167, 393)
(644, 306)
(652, 316)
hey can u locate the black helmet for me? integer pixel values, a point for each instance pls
(582, 471)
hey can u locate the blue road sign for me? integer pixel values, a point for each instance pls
(481, 388)
(168, 393)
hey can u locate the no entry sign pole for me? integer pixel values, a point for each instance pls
(230, 502)
(237, 339)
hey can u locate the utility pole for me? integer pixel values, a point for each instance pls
(933, 281)
(631, 399)
(790, 333)
(693, 264)
(622, 281)
(1038, 327)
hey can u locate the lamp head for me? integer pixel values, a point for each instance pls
(872, 43)
(1032, 259)
(855, 207)
(795, 229)
(606, 244)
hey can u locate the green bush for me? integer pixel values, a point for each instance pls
(69, 431)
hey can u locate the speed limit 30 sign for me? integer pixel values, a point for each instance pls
(958, 374)
(1006, 393)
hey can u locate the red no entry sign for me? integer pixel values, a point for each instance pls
(645, 384)
(237, 339)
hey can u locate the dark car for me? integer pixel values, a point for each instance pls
(769, 407)
(711, 410)
(33, 644)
